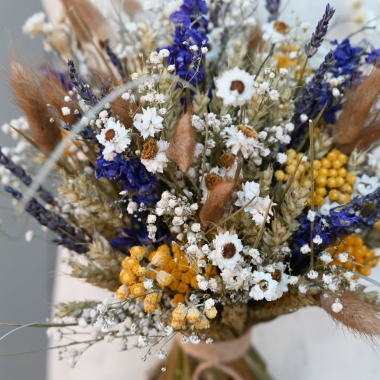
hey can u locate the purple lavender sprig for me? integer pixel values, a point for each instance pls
(308, 94)
(83, 90)
(320, 32)
(68, 236)
(272, 6)
(307, 99)
(115, 61)
(25, 178)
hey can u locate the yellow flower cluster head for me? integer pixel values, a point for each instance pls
(360, 258)
(170, 269)
(173, 271)
(183, 317)
(331, 176)
(133, 276)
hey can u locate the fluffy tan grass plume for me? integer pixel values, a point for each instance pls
(30, 97)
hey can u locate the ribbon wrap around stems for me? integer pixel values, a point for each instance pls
(217, 354)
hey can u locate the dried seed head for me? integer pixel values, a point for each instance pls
(150, 150)
(247, 131)
(227, 160)
(212, 180)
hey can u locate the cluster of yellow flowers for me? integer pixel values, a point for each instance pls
(360, 258)
(168, 269)
(185, 316)
(331, 176)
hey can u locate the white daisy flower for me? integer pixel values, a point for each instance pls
(114, 137)
(241, 139)
(275, 31)
(235, 87)
(259, 206)
(236, 278)
(148, 122)
(226, 253)
(365, 184)
(265, 286)
(153, 156)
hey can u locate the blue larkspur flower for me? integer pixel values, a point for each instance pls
(342, 221)
(374, 56)
(192, 31)
(346, 58)
(131, 172)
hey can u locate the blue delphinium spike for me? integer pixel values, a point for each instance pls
(192, 31)
(320, 32)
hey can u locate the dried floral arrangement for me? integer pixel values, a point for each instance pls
(212, 173)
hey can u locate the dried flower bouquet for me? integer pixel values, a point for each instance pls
(208, 174)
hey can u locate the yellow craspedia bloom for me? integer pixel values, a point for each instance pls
(377, 224)
(123, 292)
(127, 277)
(178, 298)
(182, 287)
(137, 252)
(360, 258)
(164, 278)
(137, 290)
(152, 302)
(139, 271)
(130, 263)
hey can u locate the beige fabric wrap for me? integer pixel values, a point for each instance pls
(218, 354)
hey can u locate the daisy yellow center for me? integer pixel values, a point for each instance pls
(110, 134)
(150, 150)
(248, 131)
(229, 251)
(226, 161)
(281, 27)
(212, 180)
(237, 85)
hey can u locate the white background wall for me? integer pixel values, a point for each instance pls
(26, 276)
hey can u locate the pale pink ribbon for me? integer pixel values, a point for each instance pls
(218, 354)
